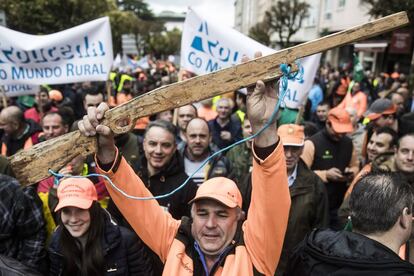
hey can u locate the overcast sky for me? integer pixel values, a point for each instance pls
(219, 10)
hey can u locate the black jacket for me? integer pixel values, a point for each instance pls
(233, 126)
(12, 267)
(172, 176)
(327, 252)
(308, 210)
(15, 144)
(124, 254)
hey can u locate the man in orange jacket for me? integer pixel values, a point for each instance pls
(216, 240)
(19, 133)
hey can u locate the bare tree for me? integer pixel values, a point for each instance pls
(286, 18)
(261, 33)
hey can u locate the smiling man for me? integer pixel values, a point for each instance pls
(404, 156)
(161, 168)
(54, 125)
(215, 240)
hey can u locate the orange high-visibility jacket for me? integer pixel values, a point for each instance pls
(263, 231)
(27, 144)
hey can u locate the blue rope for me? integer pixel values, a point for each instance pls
(287, 75)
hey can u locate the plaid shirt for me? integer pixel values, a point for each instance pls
(22, 226)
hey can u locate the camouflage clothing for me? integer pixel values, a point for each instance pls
(241, 159)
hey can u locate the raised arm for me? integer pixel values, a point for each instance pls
(266, 224)
(153, 225)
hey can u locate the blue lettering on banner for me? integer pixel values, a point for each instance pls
(218, 54)
(84, 49)
(290, 96)
(17, 88)
(194, 60)
(20, 73)
(3, 74)
(212, 66)
(73, 70)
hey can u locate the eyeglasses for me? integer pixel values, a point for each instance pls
(388, 116)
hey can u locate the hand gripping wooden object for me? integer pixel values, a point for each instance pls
(31, 166)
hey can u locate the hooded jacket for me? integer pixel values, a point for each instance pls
(327, 252)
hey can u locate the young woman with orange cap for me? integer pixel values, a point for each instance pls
(87, 241)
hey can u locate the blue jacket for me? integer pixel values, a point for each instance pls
(234, 127)
(315, 96)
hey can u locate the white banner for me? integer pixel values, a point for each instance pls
(82, 53)
(208, 46)
(14, 90)
(297, 92)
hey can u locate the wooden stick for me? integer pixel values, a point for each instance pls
(300, 113)
(31, 166)
(108, 85)
(3, 96)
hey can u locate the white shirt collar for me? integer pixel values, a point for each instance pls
(292, 177)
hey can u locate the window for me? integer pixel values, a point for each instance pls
(310, 21)
(341, 3)
(327, 6)
(327, 9)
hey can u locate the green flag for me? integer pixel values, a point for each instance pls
(358, 70)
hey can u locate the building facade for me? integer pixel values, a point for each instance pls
(173, 20)
(331, 16)
(2, 18)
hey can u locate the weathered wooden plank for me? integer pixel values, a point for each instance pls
(31, 166)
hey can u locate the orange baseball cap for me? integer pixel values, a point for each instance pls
(55, 95)
(292, 135)
(340, 120)
(220, 189)
(76, 192)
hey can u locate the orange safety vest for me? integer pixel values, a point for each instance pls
(343, 87)
(27, 144)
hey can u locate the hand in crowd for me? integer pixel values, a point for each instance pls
(261, 101)
(66, 170)
(334, 174)
(225, 135)
(89, 126)
(348, 174)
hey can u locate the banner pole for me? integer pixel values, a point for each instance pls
(299, 115)
(3, 96)
(108, 91)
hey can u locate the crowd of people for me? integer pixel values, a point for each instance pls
(326, 190)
